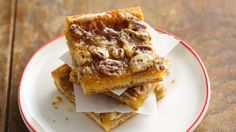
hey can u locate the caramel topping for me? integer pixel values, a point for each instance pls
(113, 41)
(111, 67)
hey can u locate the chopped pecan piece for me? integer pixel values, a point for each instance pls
(85, 71)
(98, 53)
(135, 91)
(136, 25)
(111, 67)
(141, 62)
(143, 49)
(110, 31)
(129, 50)
(114, 115)
(161, 63)
(117, 53)
(75, 29)
(82, 57)
(141, 35)
(124, 38)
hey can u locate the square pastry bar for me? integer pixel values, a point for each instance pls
(107, 120)
(112, 50)
(133, 97)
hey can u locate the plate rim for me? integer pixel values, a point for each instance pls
(189, 48)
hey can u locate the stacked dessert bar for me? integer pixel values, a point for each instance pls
(110, 50)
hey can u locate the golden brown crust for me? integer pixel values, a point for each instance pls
(97, 119)
(136, 11)
(105, 119)
(61, 78)
(61, 71)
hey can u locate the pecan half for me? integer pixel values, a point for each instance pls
(111, 67)
(98, 53)
(141, 62)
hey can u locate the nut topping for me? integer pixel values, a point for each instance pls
(141, 62)
(124, 37)
(99, 40)
(143, 49)
(129, 49)
(117, 53)
(82, 57)
(108, 47)
(98, 53)
(135, 91)
(161, 63)
(110, 31)
(115, 115)
(75, 29)
(111, 67)
(141, 35)
(80, 32)
(86, 70)
(136, 25)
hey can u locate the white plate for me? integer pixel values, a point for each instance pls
(182, 108)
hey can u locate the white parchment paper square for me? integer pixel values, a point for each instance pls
(99, 103)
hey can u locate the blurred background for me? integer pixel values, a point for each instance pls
(209, 26)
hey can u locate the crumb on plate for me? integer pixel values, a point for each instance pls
(67, 109)
(173, 81)
(56, 102)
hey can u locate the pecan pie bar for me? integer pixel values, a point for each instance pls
(111, 50)
(106, 120)
(133, 97)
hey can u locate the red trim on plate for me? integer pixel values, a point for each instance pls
(193, 125)
(29, 126)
